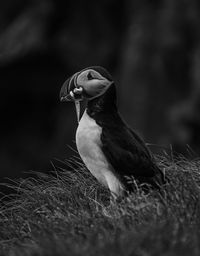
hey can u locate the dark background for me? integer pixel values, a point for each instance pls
(152, 49)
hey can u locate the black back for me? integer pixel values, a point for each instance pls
(123, 148)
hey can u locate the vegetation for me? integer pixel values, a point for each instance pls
(67, 212)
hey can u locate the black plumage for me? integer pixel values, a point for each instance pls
(123, 148)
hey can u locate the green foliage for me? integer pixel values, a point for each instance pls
(67, 212)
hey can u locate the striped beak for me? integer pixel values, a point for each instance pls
(78, 109)
(70, 92)
(66, 92)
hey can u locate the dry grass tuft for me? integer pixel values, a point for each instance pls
(67, 212)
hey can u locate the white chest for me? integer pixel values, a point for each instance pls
(88, 143)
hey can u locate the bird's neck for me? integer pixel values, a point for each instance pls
(103, 104)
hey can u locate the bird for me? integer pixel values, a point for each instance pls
(109, 148)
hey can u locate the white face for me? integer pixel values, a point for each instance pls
(87, 84)
(92, 83)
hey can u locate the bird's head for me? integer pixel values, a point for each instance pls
(87, 84)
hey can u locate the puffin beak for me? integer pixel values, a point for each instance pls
(70, 92)
(68, 97)
(78, 109)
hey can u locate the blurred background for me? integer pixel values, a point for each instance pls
(152, 49)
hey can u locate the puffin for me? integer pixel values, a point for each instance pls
(113, 153)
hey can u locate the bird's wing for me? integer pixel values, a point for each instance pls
(127, 153)
(141, 143)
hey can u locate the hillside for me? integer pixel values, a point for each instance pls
(66, 212)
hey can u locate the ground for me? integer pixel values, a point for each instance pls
(66, 212)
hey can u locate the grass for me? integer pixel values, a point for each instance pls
(66, 212)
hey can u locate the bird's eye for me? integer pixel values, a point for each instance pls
(89, 76)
